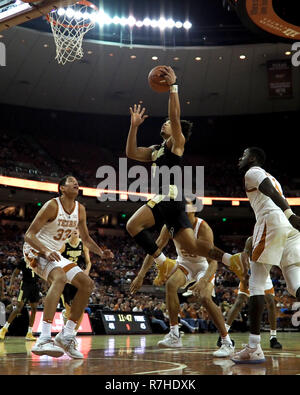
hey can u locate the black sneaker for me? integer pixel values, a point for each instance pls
(219, 342)
(274, 343)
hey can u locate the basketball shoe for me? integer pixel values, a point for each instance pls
(239, 265)
(29, 336)
(3, 333)
(45, 346)
(226, 350)
(69, 344)
(164, 271)
(249, 355)
(170, 340)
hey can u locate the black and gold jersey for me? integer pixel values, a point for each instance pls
(74, 253)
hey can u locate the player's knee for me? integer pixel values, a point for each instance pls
(58, 277)
(86, 284)
(171, 286)
(205, 299)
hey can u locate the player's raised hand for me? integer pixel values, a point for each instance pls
(169, 75)
(107, 254)
(137, 115)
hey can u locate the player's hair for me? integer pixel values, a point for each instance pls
(62, 182)
(259, 155)
(186, 127)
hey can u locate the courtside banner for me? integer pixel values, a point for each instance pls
(58, 323)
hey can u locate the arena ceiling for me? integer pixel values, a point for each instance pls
(113, 72)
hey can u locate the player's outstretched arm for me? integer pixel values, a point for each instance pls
(267, 188)
(86, 238)
(161, 242)
(142, 154)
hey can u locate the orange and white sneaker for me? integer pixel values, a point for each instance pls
(249, 355)
(164, 271)
(239, 264)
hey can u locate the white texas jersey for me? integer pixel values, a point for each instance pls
(55, 233)
(260, 203)
(185, 258)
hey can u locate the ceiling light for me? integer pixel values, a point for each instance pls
(133, 57)
(242, 57)
(198, 58)
(176, 58)
(288, 53)
(187, 25)
(178, 24)
(154, 58)
(147, 22)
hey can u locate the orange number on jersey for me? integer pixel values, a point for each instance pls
(60, 233)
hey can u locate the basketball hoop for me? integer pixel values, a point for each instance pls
(68, 27)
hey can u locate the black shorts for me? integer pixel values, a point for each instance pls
(69, 293)
(29, 293)
(171, 213)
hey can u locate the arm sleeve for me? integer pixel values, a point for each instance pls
(254, 177)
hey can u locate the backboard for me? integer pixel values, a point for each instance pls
(16, 12)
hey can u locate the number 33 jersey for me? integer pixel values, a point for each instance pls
(55, 233)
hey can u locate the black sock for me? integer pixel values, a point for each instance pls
(298, 294)
(256, 307)
(146, 241)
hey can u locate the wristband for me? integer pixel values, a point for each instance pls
(288, 213)
(174, 89)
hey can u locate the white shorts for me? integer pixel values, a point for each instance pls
(275, 241)
(269, 289)
(42, 267)
(194, 271)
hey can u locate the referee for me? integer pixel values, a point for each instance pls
(29, 293)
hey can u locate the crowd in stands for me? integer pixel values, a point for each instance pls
(113, 277)
(42, 158)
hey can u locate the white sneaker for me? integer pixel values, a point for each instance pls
(170, 340)
(69, 344)
(249, 355)
(46, 346)
(188, 293)
(226, 350)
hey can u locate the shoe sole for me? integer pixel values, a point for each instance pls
(33, 340)
(249, 361)
(57, 343)
(55, 354)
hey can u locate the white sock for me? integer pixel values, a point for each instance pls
(226, 259)
(46, 329)
(30, 329)
(160, 259)
(254, 340)
(227, 327)
(175, 329)
(69, 328)
(272, 333)
(6, 325)
(227, 339)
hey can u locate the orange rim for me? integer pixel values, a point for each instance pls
(82, 2)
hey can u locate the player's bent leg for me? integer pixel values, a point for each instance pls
(291, 274)
(29, 336)
(176, 281)
(140, 220)
(66, 339)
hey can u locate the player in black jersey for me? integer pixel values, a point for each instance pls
(168, 206)
(29, 293)
(76, 252)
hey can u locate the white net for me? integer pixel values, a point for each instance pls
(68, 27)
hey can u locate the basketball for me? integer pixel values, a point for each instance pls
(156, 80)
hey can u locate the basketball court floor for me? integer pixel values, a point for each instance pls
(139, 355)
